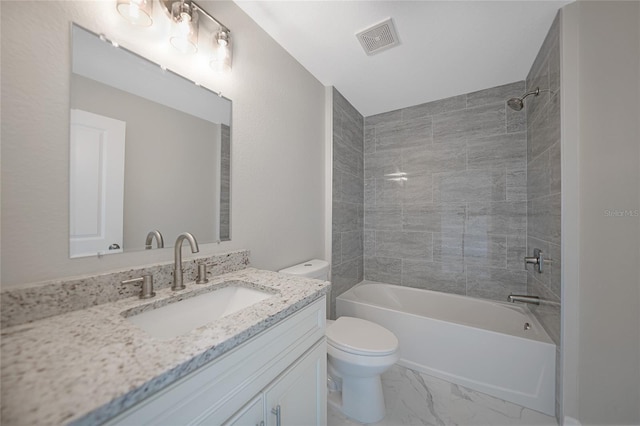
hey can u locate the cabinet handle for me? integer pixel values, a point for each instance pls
(278, 414)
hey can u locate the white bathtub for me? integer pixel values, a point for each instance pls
(479, 344)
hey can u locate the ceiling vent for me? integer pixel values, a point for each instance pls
(379, 37)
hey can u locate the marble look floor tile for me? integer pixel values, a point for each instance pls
(413, 398)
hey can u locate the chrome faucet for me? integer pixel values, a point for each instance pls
(523, 298)
(148, 244)
(538, 259)
(177, 266)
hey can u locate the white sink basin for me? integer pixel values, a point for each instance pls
(182, 316)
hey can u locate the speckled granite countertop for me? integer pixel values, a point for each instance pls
(87, 366)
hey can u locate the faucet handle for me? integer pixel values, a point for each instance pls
(202, 274)
(146, 291)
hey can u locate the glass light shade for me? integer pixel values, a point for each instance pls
(137, 12)
(222, 52)
(184, 33)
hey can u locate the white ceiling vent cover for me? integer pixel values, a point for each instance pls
(380, 37)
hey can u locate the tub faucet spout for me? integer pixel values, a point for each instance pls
(177, 266)
(523, 298)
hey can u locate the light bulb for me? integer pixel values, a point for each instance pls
(137, 12)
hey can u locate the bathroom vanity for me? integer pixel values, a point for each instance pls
(262, 363)
(278, 377)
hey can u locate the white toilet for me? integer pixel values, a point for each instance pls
(359, 351)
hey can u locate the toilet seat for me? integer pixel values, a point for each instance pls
(360, 337)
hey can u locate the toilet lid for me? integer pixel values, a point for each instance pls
(361, 337)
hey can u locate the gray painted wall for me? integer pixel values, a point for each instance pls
(348, 198)
(600, 50)
(458, 223)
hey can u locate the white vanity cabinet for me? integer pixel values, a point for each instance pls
(283, 367)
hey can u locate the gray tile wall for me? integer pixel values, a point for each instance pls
(458, 222)
(543, 186)
(225, 183)
(348, 198)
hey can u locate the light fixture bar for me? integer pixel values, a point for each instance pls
(167, 4)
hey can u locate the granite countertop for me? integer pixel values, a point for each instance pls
(87, 366)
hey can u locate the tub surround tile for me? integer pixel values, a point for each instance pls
(440, 106)
(403, 134)
(336, 248)
(384, 218)
(548, 312)
(404, 245)
(470, 186)
(485, 250)
(343, 275)
(417, 189)
(86, 366)
(516, 120)
(498, 94)
(352, 245)
(447, 218)
(448, 248)
(350, 143)
(517, 185)
(544, 186)
(544, 219)
(351, 188)
(497, 218)
(369, 243)
(388, 191)
(447, 277)
(494, 283)
(516, 251)
(466, 190)
(555, 269)
(383, 118)
(485, 120)
(382, 269)
(346, 158)
(369, 140)
(56, 297)
(555, 178)
(346, 216)
(508, 150)
(379, 164)
(434, 159)
(538, 176)
(413, 398)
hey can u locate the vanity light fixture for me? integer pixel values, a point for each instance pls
(189, 24)
(138, 12)
(221, 59)
(184, 35)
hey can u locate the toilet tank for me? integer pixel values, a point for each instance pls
(314, 268)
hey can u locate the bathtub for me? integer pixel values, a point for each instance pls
(479, 344)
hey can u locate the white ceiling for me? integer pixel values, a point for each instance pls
(447, 48)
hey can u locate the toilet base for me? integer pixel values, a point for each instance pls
(361, 399)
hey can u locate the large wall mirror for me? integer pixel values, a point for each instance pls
(149, 151)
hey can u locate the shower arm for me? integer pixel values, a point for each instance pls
(535, 92)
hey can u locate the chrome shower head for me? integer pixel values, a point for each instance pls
(517, 104)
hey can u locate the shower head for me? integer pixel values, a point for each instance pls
(515, 104)
(518, 103)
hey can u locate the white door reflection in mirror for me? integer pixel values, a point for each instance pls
(96, 184)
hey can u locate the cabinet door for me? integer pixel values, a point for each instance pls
(299, 396)
(251, 414)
